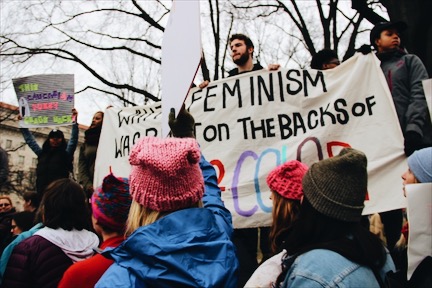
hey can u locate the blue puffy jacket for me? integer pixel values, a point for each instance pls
(189, 247)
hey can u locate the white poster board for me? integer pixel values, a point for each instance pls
(419, 211)
(181, 54)
(248, 124)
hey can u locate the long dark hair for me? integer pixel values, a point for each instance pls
(64, 205)
(313, 230)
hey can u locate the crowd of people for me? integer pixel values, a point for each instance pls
(167, 226)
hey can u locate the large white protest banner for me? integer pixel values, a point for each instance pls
(419, 212)
(121, 129)
(45, 100)
(248, 124)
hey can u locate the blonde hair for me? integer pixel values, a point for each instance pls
(143, 216)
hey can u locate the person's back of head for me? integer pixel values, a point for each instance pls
(330, 214)
(110, 204)
(165, 177)
(325, 59)
(285, 183)
(334, 193)
(64, 205)
(31, 200)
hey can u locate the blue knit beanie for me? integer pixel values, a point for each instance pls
(420, 164)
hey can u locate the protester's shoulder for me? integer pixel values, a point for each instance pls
(257, 66)
(325, 267)
(233, 72)
(33, 242)
(116, 276)
(319, 258)
(413, 60)
(38, 246)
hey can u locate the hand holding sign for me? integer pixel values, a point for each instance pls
(183, 125)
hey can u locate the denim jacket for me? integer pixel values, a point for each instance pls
(326, 268)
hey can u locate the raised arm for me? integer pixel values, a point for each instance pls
(31, 141)
(73, 141)
(182, 126)
(212, 197)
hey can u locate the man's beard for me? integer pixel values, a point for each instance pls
(242, 60)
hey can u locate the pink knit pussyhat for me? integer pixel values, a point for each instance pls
(286, 179)
(165, 173)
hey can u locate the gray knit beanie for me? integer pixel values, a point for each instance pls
(337, 186)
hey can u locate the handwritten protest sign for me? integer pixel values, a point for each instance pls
(45, 100)
(248, 124)
(419, 213)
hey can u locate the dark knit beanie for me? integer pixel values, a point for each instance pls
(337, 186)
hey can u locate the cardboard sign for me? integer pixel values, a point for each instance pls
(45, 100)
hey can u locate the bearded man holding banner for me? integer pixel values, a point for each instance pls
(247, 240)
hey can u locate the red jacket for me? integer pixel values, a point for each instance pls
(86, 273)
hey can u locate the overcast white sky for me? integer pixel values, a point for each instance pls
(88, 103)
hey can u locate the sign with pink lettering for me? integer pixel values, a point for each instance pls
(248, 124)
(45, 100)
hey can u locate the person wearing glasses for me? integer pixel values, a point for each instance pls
(6, 212)
(325, 59)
